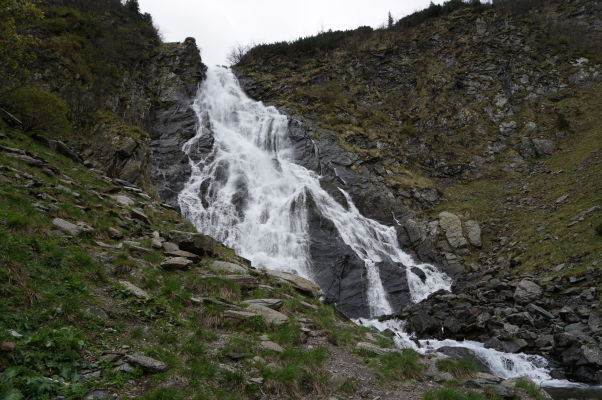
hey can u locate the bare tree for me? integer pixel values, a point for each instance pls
(237, 53)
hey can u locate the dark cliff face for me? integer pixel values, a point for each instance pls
(180, 71)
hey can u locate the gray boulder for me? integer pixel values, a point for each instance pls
(452, 226)
(147, 364)
(527, 291)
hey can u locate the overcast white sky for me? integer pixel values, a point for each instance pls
(218, 25)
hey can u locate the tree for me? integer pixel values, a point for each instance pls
(39, 110)
(133, 6)
(14, 44)
(390, 20)
(237, 53)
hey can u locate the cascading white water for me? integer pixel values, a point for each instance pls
(249, 194)
(253, 195)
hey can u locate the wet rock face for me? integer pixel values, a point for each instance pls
(174, 122)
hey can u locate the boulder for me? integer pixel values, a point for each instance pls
(67, 227)
(271, 316)
(462, 353)
(123, 200)
(473, 232)
(138, 214)
(115, 233)
(182, 253)
(196, 243)
(268, 345)
(452, 226)
(175, 263)
(147, 364)
(134, 290)
(301, 284)
(169, 246)
(274, 304)
(100, 395)
(223, 266)
(543, 147)
(527, 291)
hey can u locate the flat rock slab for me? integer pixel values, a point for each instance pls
(239, 315)
(138, 214)
(245, 281)
(231, 268)
(271, 316)
(176, 263)
(148, 364)
(182, 253)
(301, 284)
(67, 227)
(123, 200)
(268, 345)
(274, 304)
(372, 348)
(134, 290)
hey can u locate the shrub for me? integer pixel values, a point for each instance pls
(599, 229)
(39, 110)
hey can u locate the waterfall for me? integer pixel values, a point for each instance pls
(249, 193)
(246, 191)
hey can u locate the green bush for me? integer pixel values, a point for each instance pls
(39, 110)
(599, 229)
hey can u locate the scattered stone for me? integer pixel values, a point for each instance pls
(124, 368)
(156, 243)
(271, 346)
(527, 291)
(100, 395)
(176, 263)
(452, 226)
(239, 315)
(123, 200)
(372, 348)
(15, 334)
(473, 232)
(543, 147)
(115, 234)
(271, 316)
(592, 354)
(134, 290)
(196, 243)
(148, 364)
(258, 381)
(182, 253)
(301, 284)
(274, 304)
(169, 246)
(138, 214)
(538, 310)
(67, 227)
(561, 199)
(223, 266)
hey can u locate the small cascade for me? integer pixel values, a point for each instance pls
(249, 193)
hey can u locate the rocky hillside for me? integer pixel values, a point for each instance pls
(107, 293)
(485, 123)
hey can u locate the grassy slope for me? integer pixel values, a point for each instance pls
(62, 295)
(516, 206)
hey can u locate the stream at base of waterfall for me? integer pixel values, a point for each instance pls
(247, 192)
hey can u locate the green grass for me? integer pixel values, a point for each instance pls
(404, 365)
(458, 368)
(530, 388)
(452, 394)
